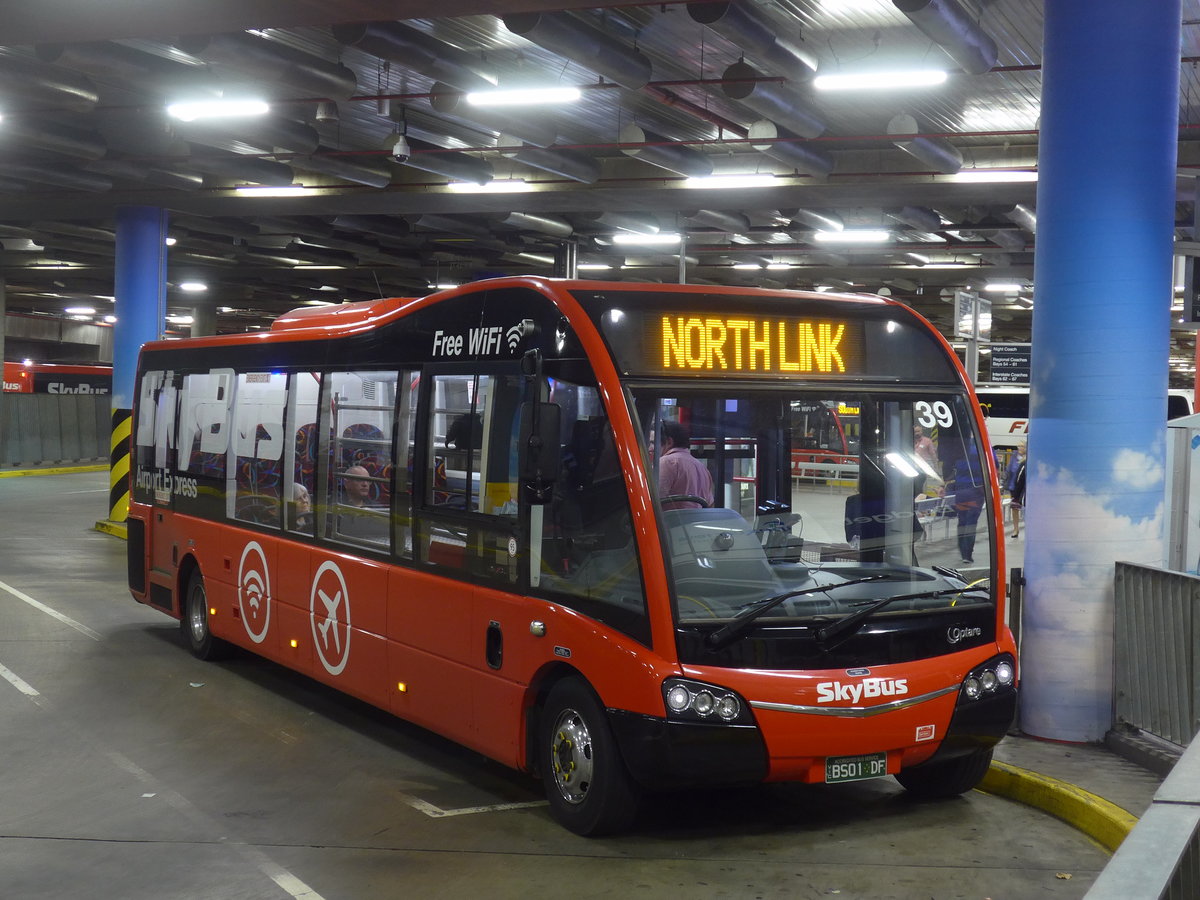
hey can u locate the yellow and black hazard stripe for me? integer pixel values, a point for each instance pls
(118, 465)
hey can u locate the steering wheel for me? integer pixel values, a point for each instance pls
(685, 498)
(257, 509)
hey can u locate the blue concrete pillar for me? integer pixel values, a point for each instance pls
(140, 289)
(1102, 289)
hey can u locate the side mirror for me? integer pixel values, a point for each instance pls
(541, 456)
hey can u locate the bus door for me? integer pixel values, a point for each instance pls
(153, 464)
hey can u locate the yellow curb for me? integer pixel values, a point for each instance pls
(55, 470)
(1103, 821)
(117, 529)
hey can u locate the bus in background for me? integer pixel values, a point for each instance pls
(53, 378)
(1006, 410)
(449, 507)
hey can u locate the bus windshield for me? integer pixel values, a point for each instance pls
(764, 492)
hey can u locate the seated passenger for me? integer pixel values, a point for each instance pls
(301, 508)
(356, 517)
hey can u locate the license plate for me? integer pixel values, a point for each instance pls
(855, 768)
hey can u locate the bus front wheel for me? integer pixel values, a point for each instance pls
(939, 780)
(588, 787)
(194, 621)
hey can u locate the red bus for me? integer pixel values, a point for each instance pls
(447, 506)
(52, 378)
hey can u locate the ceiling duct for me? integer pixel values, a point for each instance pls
(639, 223)
(922, 218)
(659, 151)
(386, 226)
(1019, 214)
(419, 52)
(813, 218)
(466, 227)
(947, 23)
(448, 101)
(268, 133)
(937, 153)
(1007, 238)
(743, 24)
(567, 163)
(782, 146)
(242, 168)
(319, 255)
(116, 61)
(448, 164)
(273, 62)
(348, 168)
(30, 132)
(235, 228)
(729, 222)
(777, 102)
(583, 44)
(134, 132)
(543, 224)
(58, 174)
(40, 83)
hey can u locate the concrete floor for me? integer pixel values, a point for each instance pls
(131, 770)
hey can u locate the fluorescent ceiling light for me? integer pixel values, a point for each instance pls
(859, 81)
(524, 96)
(193, 287)
(646, 239)
(79, 310)
(180, 320)
(171, 242)
(502, 186)
(593, 267)
(315, 266)
(774, 267)
(994, 175)
(110, 319)
(444, 286)
(538, 257)
(257, 190)
(217, 109)
(730, 181)
(747, 266)
(1009, 286)
(854, 236)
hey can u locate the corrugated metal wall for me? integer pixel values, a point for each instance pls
(40, 429)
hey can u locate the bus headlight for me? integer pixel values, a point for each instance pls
(995, 676)
(696, 701)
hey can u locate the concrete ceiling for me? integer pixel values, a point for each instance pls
(83, 87)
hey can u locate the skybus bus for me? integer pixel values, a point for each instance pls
(485, 554)
(56, 378)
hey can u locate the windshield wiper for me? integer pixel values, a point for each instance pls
(849, 624)
(727, 634)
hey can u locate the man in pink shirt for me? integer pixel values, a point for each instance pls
(680, 473)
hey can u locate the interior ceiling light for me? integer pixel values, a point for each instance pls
(646, 239)
(180, 320)
(593, 267)
(730, 181)
(171, 242)
(193, 287)
(1005, 286)
(775, 267)
(524, 97)
(853, 236)
(316, 266)
(79, 311)
(217, 109)
(747, 266)
(862, 81)
(260, 190)
(498, 186)
(994, 175)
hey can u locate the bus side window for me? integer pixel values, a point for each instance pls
(254, 489)
(204, 422)
(470, 499)
(359, 418)
(302, 450)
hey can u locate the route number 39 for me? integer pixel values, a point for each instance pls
(934, 414)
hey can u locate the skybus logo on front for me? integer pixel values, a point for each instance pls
(867, 689)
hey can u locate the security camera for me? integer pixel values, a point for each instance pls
(400, 150)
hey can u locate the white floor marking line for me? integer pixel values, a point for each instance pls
(286, 881)
(53, 613)
(18, 682)
(436, 812)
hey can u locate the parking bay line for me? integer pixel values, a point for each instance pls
(18, 682)
(53, 613)
(436, 812)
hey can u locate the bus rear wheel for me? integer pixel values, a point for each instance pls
(588, 787)
(939, 780)
(194, 621)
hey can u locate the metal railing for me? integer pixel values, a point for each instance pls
(1157, 622)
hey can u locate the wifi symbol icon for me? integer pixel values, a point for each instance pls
(514, 335)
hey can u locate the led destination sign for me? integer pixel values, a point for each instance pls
(740, 344)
